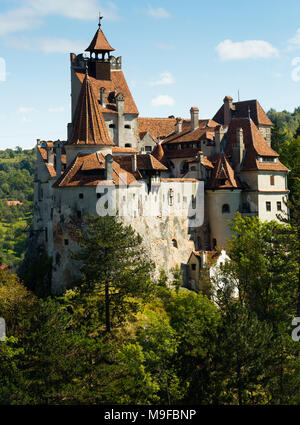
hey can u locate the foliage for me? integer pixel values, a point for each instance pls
(17, 168)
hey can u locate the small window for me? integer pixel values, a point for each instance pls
(112, 126)
(214, 243)
(272, 180)
(127, 126)
(99, 195)
(66, 242)
(171, 196)
(193, 168)
(80, 195)
(225, 209)
(193, 266)
(268, 206)
(279, 206)
(174, 242)
(127, 145)
(194, 202)
(148, 148)
(78, 214)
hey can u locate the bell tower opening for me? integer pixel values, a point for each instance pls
(99, 65)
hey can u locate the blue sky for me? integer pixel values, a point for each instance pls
(175, 55)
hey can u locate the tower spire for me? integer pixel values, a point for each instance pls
(100, 19)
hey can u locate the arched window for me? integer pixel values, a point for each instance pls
(225, 209)
(174, 242)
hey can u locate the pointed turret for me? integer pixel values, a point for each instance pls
(100, 49)
(99, 43)
(89, 127)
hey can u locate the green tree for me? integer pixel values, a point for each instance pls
(114, 266)
(262, 268)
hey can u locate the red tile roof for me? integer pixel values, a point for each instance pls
(118, 149)
(223, 176)
(43, 152)
(157, 127)
(145, 162)
(99, 43)
(89, 169)
(14, 203)
(89, 127)
(255, 145)
(159, 154)
(257, 113)
(117, 84)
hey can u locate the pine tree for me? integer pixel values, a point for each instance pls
(114, 267)
(277, 136)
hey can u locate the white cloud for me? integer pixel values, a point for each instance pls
(47, 45)
(294, 42)
(163, 100)
(18, 20)
(60, 45)
(164, 79)
(25, 112)
(26, 109)
(249, 49)
(32, 12)
(159, 13)
(56, 109)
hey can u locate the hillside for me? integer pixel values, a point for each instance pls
(17, 169)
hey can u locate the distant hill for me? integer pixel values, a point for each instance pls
(288, 121)
(17, 168)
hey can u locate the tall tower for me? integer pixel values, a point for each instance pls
(100, 49)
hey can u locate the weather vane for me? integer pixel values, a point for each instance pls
(100, 19)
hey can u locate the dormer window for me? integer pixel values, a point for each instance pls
(267, 159)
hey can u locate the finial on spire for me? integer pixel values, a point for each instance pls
(100, 19)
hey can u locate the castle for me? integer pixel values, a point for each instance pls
(209, 168)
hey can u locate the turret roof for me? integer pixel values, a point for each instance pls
(89, 127)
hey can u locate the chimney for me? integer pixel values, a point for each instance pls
(103, 96)
(50, 155)
(200, 158)
(194, 118)
(227, 110)
(238, 150)
(58, 146)
(120, 103)
(219, 134)
(134, 163)
(179, 122)
(109, 167)
(120, 110)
